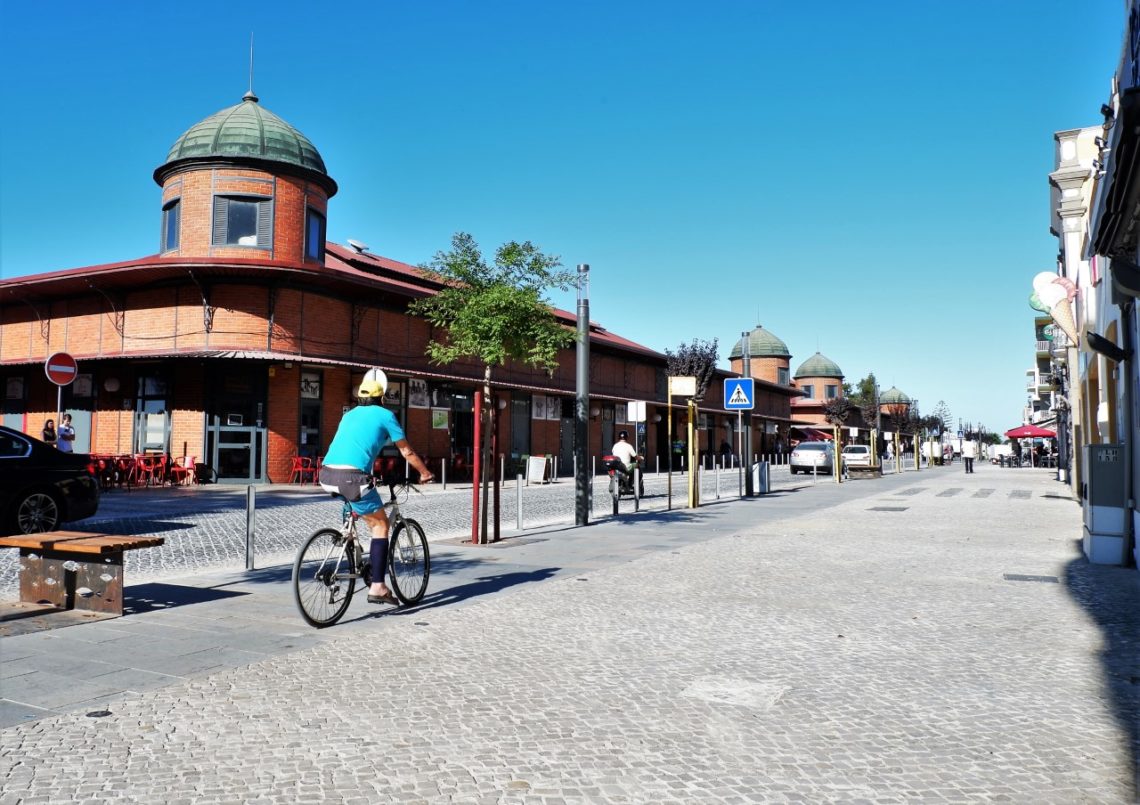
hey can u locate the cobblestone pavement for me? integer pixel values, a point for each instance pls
(204, 527)
(879, 641)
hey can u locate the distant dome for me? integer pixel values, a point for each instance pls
(762, 344)
(893, 395)
(247, 132)
(819, 366)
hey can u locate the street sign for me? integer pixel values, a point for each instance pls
(61, 369)
(635, 410)
(682, 386)
(739, 394)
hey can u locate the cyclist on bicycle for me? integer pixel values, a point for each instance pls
(347, 469)
(629, 457)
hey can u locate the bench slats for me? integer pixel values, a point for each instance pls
(79, 542)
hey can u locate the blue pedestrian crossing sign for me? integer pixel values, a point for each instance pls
(739, 394)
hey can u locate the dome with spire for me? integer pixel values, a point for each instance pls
(761, 344)
(819, 366)
(893, 396)
(247, 132)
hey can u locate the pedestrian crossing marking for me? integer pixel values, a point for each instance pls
(739, 393)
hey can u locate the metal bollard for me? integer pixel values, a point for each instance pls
(717, 476)
(250, 524)
(637, 489)
(518, 501)
(657, 462)
(443, 472)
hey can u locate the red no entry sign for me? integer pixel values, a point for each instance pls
(61, 368)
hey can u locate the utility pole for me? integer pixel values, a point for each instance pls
(582, 401)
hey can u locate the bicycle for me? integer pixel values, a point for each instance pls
(331, 562)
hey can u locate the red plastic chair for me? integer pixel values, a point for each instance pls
(303, 468)
(182, 470)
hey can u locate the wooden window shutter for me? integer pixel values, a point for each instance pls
(265, 224)
(221, 213)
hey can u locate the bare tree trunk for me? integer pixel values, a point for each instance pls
(488, 467)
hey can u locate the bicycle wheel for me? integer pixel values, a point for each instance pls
(324, 578)
(409, 563)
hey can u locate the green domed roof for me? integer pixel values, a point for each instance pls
(762, 344)
(819, 366)
(893, 396)
(247, 131)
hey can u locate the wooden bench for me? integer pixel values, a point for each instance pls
(73, 569)
(858, 473)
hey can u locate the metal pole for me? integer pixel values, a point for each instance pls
(443, 472)
(740, 448)
(693, 462)
(582, 401)
(669, 428)
(250, 524)
(518, 501)
(747, 451)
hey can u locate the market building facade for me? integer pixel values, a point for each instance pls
(240, 343)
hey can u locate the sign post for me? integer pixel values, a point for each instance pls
(740, 396)
(62, 370)
(681, 386)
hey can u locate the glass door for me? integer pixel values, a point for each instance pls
(236, 435)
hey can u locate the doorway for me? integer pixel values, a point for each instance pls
(236, 436)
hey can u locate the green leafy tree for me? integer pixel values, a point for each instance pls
(836, 410)
(494, 313)
(697, 359)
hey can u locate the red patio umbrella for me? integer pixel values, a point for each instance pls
(1030, 432)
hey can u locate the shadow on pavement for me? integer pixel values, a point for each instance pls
(1111, 597)
(141, 598)
(482, 585)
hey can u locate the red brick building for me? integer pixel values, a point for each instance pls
(241, 341)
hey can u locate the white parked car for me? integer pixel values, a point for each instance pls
(812, 457)
(857, 455)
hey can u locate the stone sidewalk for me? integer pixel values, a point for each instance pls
(886, 641)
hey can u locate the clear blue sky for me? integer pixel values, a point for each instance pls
(865, 179)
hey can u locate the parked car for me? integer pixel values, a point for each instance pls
(812, 457)
(40, 487)
(857, 455)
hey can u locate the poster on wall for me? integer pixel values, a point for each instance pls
(394, 395)
(310, 385)
(538, 406)
(439, 418)
(14, 388)
(417, 394)
(622, 414)
(553, 407)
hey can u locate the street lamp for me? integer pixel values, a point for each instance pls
(582, 401)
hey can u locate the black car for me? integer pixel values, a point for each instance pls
(40, 487)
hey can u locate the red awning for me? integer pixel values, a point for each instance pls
(814, 435)
(1030, 432)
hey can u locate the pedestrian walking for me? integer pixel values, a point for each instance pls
(969, 453)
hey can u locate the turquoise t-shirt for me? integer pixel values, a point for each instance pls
(362, 434)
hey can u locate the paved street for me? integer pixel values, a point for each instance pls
(204, 527)
(924, 637)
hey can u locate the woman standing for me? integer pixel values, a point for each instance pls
(49, 432)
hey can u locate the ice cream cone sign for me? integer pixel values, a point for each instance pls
(1043, 280)
(1062, 313)
(1068, 285)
